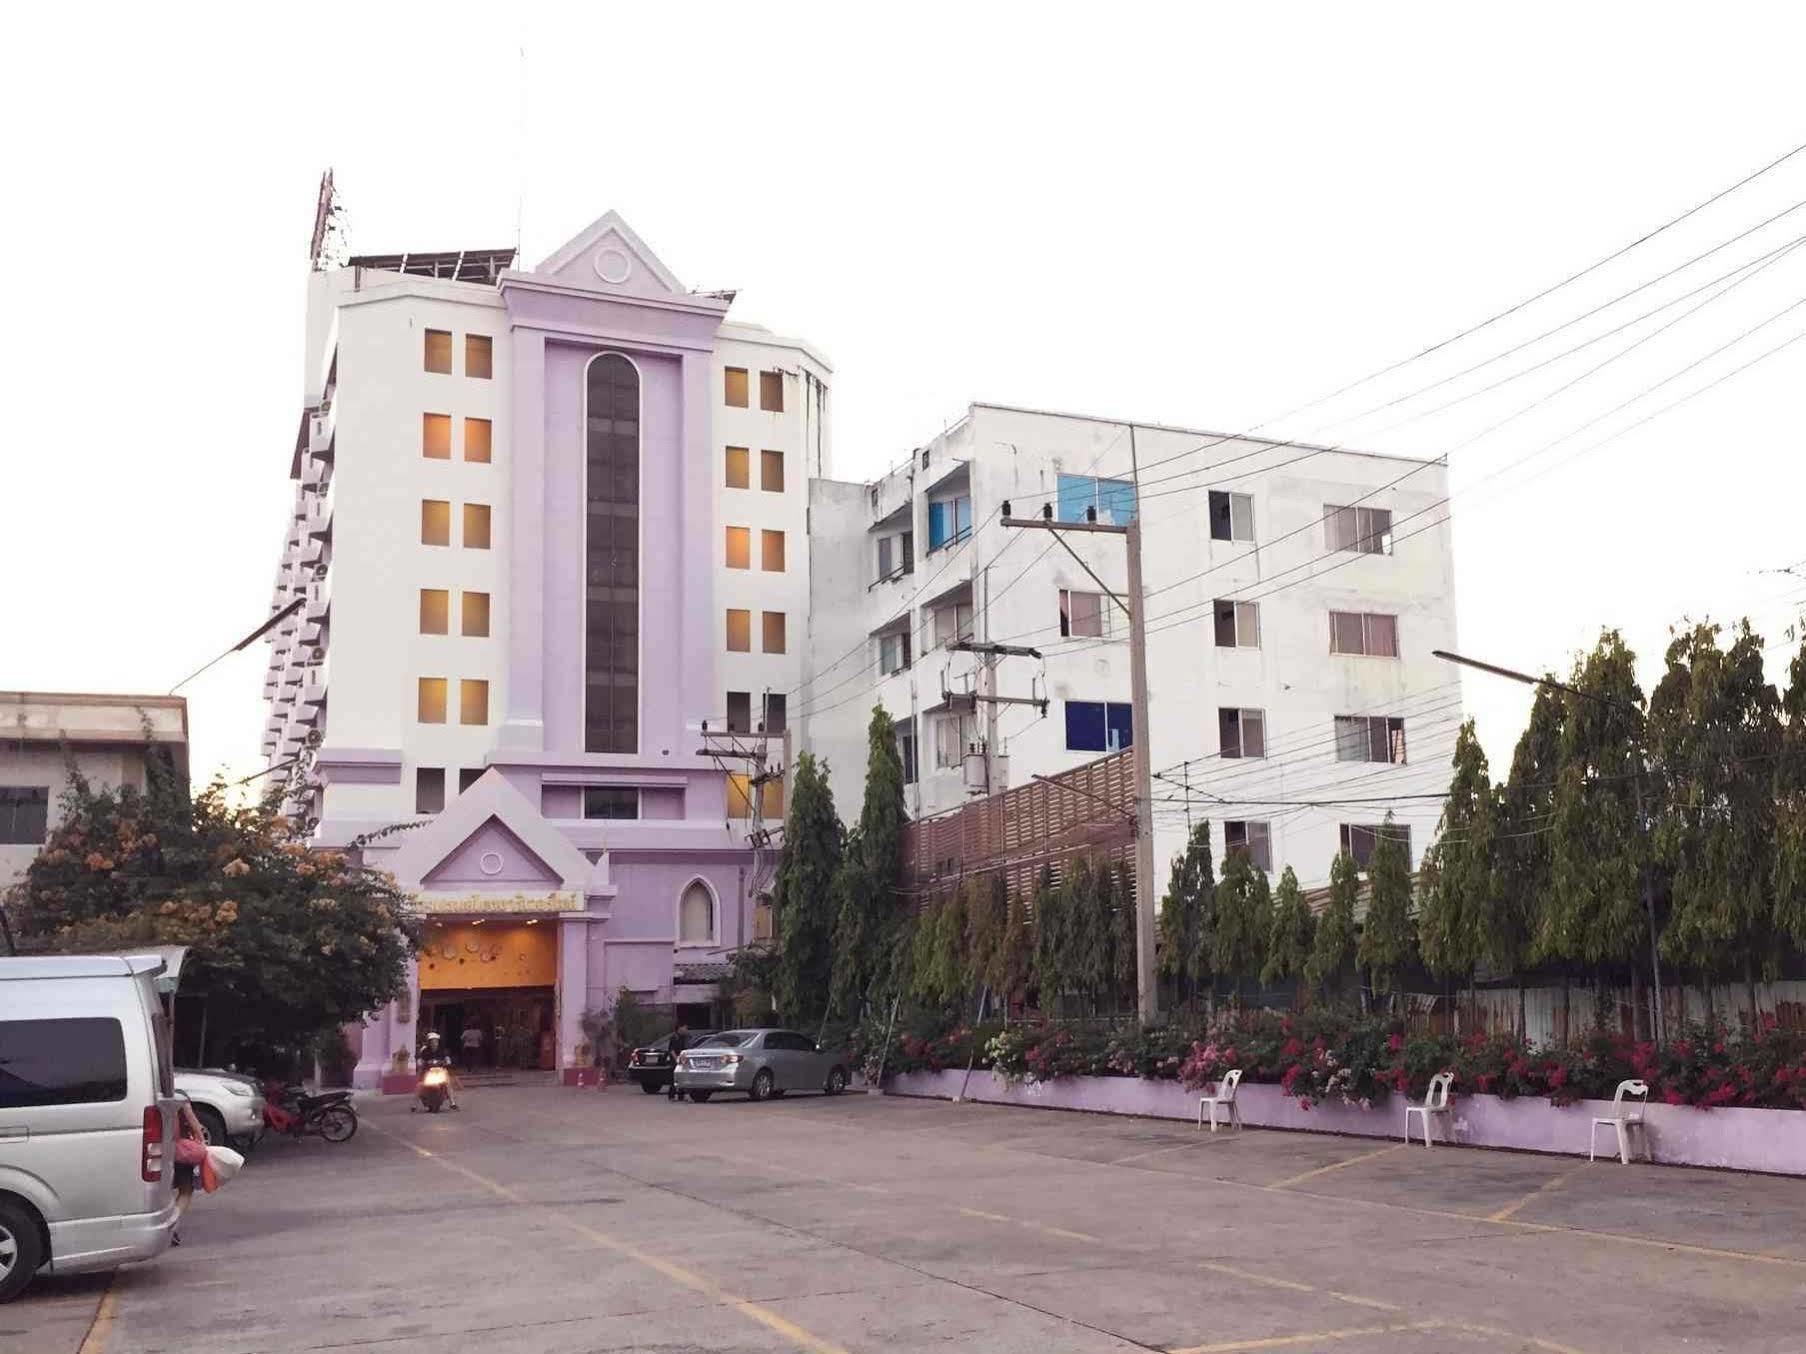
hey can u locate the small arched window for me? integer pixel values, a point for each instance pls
(696, 915)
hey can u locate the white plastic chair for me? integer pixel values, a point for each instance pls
(1624, 1120)
(1436, 1102)
(1225, 1096)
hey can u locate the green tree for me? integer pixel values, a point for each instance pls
(1184, 945)
(1595, 916)
(1051, 950)
(865, 895)
(1012, 966)
(1714, 730)
(802, 895)
(286, 942)
(1238, 941)
(1459, 877)
(1790, 808)
(988, 915)
(1333, 948)
(1289, 941)
(1120, 894)
(1386, 932)
(1524, 842)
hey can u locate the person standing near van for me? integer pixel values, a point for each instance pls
(680, 1040)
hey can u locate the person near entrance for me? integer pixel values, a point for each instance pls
(680, 1040)
(473, 1043)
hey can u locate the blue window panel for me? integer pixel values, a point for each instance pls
(962, 517)
(1076, 493)
(949, 521)
(1085, 726)
(1116, 502)
(1119, 726)
(938, 528)
(1113, 499)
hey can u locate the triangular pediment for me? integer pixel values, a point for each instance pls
(492, 857)
(608, 256)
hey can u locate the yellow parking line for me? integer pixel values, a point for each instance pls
(1291, 1285)
(1307, 1338)
(1474, 1328)
(1547, 1187)
(988, 1217)
(1360, 1301)
(673, 1271)
(1070, 1236)
(100, 1329)
(1299, 1179)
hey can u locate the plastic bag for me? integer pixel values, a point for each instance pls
(190, 1151)
(226, 1163)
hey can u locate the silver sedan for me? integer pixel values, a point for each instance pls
(759, 1064)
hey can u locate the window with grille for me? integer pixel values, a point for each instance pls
(611, 654)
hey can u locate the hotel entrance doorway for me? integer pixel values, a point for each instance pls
(486, 1029)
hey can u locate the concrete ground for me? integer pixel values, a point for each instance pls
(556, 1221)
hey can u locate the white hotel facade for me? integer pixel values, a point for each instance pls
(535, 695)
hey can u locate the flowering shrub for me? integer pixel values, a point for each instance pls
(1330, 1055)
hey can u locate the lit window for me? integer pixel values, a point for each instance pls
(739, 468)
(476, 526)
(1237, 625)
(1099, 726)
(1360, 839)
(771, 551)
(1370, 738)
(429, 789)
(771, 471)
(1363, 633)
(1084, 614)
(611, 801)
(476, 614)
(1113, 500)
(435, 521)
(473, 701)
(435, 611)
(739, 630)
(478, 435)
(739, 547)
(696, 915)
(439, 351)
(736, 387)
(1241, 733)
(739, 795)
(774, 632)
(771, 391)
(739, 712)
(1231, 516)
(479, 356)
(771, 801)
(430, 707)
(435, 436)
(1255, 840)
(1366, 531)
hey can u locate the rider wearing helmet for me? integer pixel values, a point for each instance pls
(434, 1054)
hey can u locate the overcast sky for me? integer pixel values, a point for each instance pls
(1201, 218)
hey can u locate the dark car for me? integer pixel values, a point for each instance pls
(651, 1064)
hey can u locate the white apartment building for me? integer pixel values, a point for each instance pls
(1294, 596)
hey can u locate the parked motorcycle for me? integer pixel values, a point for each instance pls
(290, 1110)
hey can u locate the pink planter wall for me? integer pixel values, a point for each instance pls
(1735, 1139)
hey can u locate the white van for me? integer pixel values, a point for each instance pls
(87, 1116)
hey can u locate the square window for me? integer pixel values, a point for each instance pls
(739, 547)
(476, 526)
(1345, 632)
(739, 712)
(1099, 726)
(893, 652)
(771, 471)
(439, 351)
(429, 789)
(473, 701)
(24, 814)
(1083, 614)
(739, 795)
(435, 521)
(774, 632)
(617, 802)
(435, 611)
(738, 468)
(430, 702)
(1360, 840)
(469, 776)
(1231, 516)
(771, 801)
(771, 551)
(1237, 624)
(739, 630)
(435, 436)
(952, 623)
(953, 734)
(478, 433)
(771, 391)
(479, 356)
(476, 614)
(1254, 839)
(736, 387)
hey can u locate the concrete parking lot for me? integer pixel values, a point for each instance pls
(557, 1221)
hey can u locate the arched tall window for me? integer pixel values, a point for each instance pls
(696, 915)
(611, 662)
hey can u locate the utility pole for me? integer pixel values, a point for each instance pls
(1134, 609)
